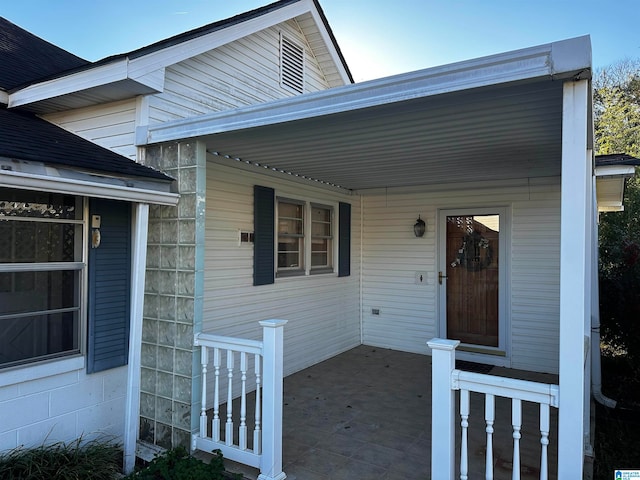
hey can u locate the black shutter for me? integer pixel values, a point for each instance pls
(264, 217)
(109, 287)
(344, 240)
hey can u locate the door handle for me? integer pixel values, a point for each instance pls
(440, 277)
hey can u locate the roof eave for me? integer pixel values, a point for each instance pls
(142, 71)
(61, 179)
(98, 80)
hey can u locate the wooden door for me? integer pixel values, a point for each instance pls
(472, 279)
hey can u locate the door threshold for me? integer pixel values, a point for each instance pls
(482, 350)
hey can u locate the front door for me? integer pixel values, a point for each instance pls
(470, 277)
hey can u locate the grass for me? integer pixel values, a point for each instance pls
(91, 460)
(617, 436)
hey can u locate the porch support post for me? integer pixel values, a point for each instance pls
(443, 362)
(138, 266)
(575, 280)
(271, 460)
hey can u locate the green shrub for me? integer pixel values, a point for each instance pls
(91, 460)
(177, 464)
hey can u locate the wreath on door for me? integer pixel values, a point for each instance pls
(475, 253)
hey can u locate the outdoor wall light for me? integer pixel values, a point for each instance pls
(420, 227)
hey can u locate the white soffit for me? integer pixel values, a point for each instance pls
(610, 183)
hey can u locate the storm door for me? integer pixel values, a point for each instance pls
(470, 277)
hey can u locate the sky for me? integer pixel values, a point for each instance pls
(378, 38)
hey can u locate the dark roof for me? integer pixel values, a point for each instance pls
(199, 32)
(25, 58)
(616, 159)
(27, 137)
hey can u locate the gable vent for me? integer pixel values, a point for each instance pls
(291, 64)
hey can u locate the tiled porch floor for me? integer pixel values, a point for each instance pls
(366, 414)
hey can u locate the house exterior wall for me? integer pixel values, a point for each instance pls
(63, 407)
(322, 310)
(392, 256)
(110, 125)
(243, 72)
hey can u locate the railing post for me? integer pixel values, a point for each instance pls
(271, 460)
(443, 362)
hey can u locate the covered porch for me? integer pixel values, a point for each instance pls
(366, 414)
(506, 136)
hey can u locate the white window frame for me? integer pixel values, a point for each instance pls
(307, 269)
(80, 266)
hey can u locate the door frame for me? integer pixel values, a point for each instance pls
(490, 355)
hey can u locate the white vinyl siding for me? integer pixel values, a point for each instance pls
(110, 125)
(322, 310)
(243, 72)
(408, 313)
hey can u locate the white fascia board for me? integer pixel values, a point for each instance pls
(4, 97)
(520, 65)
(69, 186)
(111, 72)
(572, 56)
(196, 46)
(615, 170)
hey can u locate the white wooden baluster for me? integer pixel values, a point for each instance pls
(544, 440)
(215, 423)
(489, 416)
(516, 421)
(228, 433)
(242, 431)
(464, 423)
(257, 434)
(204, 359)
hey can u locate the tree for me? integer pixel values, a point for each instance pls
(617, 130)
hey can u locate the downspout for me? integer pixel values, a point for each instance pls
(596, 368)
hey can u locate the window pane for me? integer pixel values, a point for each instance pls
(36, 337)
(20, 203)
(289, 252)
(319, 259)
(289, 227)
(321, 229)
(22, 292)
(290, 210)
(29, 242)
(290, 218)
(319, 214)
(321, 252)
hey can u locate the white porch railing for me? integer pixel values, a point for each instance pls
(249, 365)
(446, 379)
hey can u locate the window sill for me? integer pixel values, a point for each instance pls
(312, 274)
(27, 373)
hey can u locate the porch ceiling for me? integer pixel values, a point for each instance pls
(491, 133)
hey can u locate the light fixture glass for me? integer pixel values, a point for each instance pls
(419, 227)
